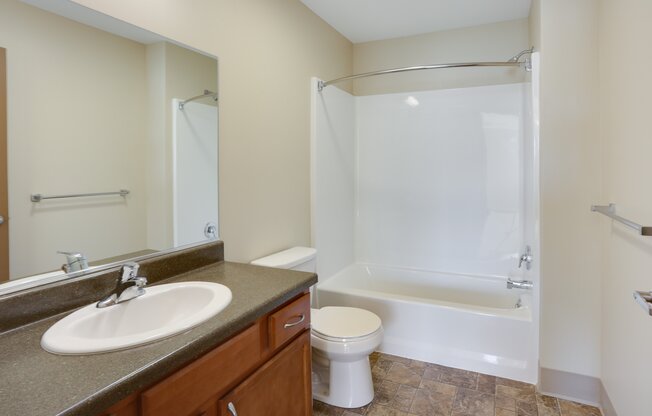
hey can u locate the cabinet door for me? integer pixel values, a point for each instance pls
(281, 387)
(209, 409)
(209, 377)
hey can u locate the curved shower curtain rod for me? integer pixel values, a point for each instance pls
(514, 61)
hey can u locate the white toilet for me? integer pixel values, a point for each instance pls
(342, 339)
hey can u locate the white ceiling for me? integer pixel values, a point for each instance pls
(366, 20)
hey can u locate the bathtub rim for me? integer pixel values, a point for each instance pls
(521, 313)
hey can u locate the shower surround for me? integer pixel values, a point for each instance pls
(422, 204)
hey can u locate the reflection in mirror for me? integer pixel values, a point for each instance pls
(104, 164)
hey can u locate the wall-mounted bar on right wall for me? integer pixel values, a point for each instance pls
(610, 211)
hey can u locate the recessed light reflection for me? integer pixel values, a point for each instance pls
(411, 101)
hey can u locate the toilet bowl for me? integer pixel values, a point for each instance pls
(341, 338)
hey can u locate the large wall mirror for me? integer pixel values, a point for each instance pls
(111, 142)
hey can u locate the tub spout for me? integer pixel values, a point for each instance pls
(519, 284)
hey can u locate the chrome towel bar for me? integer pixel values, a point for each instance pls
(39, 197)
(610, 211)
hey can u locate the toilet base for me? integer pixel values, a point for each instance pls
(342, 384)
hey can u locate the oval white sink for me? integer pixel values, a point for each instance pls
(161, 312)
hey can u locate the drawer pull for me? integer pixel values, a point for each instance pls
(231, 408)
(302, 318)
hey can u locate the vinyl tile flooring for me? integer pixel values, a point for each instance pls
(405, 387)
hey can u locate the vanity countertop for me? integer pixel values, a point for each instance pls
(34, 382)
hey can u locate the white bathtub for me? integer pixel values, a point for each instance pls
(468, 322)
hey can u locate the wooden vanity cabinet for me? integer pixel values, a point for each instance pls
(281, 387)
(264, 370)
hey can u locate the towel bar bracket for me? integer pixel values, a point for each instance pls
(644, 299)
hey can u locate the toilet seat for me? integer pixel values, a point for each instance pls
(347, 340)
(344, 324)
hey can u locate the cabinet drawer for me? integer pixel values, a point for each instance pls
(289, 321)
(183, 392)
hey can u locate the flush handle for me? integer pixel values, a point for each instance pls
(301, 317)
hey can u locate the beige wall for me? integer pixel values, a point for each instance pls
(68, 84)
(492, 42)
(534, 23)
(267, 50)
(159, 212)
(570, 155)
(626, 88)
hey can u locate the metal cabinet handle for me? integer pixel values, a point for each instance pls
(2, 219)
(302, 318)
(231, 408)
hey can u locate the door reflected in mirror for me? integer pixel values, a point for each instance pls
(111, 142)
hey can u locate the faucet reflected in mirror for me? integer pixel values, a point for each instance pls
(74, 261)
(63, 144)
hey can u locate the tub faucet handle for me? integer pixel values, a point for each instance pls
(526, 258)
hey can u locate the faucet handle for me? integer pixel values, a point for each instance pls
(140, 282)
(526, 258)
(129, 271)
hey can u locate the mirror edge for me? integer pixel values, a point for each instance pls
(119, 27)
(40, 280)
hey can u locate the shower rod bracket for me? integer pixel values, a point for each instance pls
(206, 93)
(527, 62)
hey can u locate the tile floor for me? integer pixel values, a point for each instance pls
(409, 387)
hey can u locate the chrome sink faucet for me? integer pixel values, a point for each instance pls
(128, 286)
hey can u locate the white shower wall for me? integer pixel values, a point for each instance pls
(333, 178)
(194, 171)
(436, 183)
(440, 179)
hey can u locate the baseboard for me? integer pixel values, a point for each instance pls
(607, 407)
(570, 386)
(575, 387)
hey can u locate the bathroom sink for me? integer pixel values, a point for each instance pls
(161, 312)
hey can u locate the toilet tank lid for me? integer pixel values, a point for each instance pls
(287, 259)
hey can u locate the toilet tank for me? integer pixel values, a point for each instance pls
(295, 258)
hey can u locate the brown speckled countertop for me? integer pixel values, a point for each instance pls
(34, 382)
